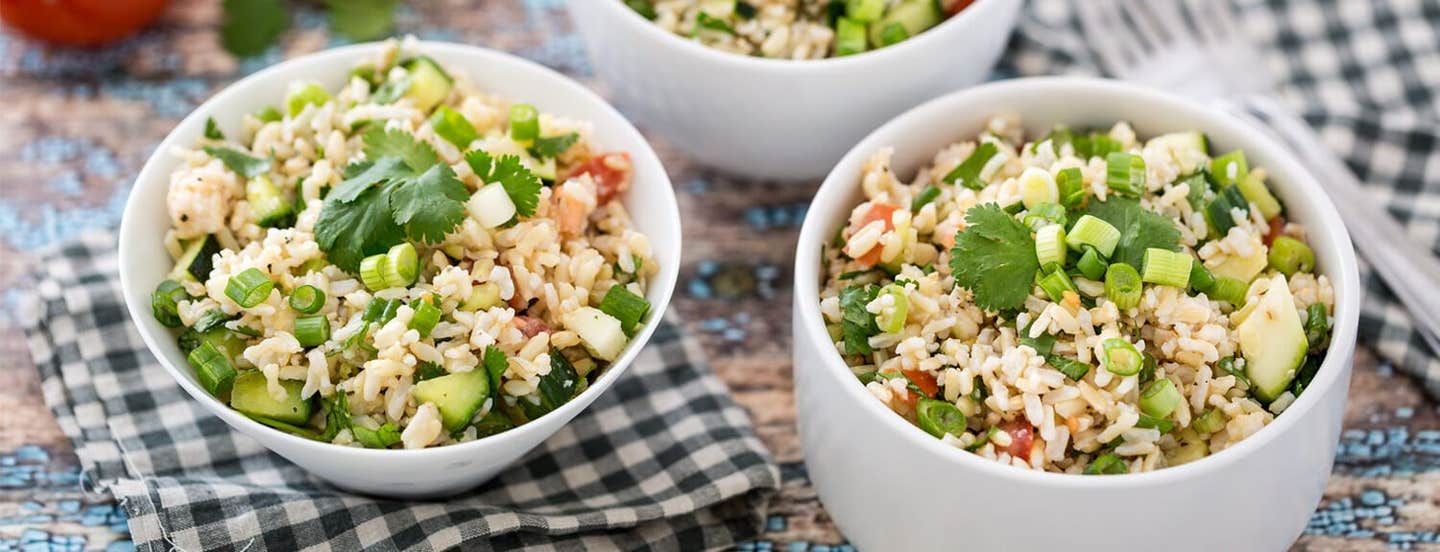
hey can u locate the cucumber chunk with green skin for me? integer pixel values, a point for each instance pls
(1187, 147)
(269, 204)
(251, 395)
(429, 84)
(1255, 191)
(1272, 340)
(914, 15)
(198, 259)
(458, 396)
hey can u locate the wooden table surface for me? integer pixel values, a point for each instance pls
(77, 125)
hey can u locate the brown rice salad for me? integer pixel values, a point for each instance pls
(407, 261)
(797, 29)
(1082, 303)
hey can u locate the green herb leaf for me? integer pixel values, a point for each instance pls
(362, 20)
(994, 257)
(495, 365)
(242, 163)
(382, 437)
(350, 231)
(251, 26)
(417, 155)
(212, 130)
(1139, 227)
(857, 324)
(429, 370)
(706, 21)
(967, 173)
(520, 184)
(551, 146)
(391, 91)
(430, 205)
(338, 416)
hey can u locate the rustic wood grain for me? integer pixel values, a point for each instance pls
(96, 116)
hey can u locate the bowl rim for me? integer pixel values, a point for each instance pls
(636, 21)
(837, 188)
(666, 279)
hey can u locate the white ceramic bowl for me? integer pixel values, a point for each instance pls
(890, 486)
(399, 473)
(780, 119)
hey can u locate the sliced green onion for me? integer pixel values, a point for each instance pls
(1317, 326)
(865, 10)
(1125, 173)
(1209, 421)
(1056, 284)
(402, 265)
(1092, 265)
(392, 307)
(307, 299)
(1050, 245)
(1152, 422)
(1160, 398)
(165, 302)
(1167, 268)
(1107, 464)
(645, 8)
(1072, 368)
(1045, 213)
(453, 127)
(939, 418)
(1201, 279)
(1229, 168)
(1071, 185)
(1229, 290)
(923, 198)
(249, 288)
(968, 171)
(524, 122)
(1121, 358)
(1037, 186)
(212, 368)
(623, 305)
(1289, 255)
(312, 331)
(850, 37)
(901, 311)
(425, 318)
(372, 272)
(1099, 144)
(1095, 232)
(1122, 286)
(375, 309)
(893, 33)
(306, 94)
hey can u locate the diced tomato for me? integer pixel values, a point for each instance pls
(881, 212)
(1277, 226)
(956, 7)
(924, 381)
(611, 173)
(530, 325)
(1021, 438)
(79, 22)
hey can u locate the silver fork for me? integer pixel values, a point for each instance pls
(1194, 48)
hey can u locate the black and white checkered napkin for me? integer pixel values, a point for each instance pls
(1365, 74)
(684, 471)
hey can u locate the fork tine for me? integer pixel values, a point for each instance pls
(1123, 31)
(1169, 17)
(1206, 28)
(1097, 31)
(1225, 18)
(1148, 28)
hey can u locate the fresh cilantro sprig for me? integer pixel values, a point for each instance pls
(250, 27)
(857, 325)
(551, 146)
(994, 257)
(242, 163)
(520, 184)
(401, 190)
(1140, 229)
(212, 130)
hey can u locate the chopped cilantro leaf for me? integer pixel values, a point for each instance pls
(212, 130)
(350, 231)
(417, 155)
(242, 163)
(520, 184)
(249, 27)
(495, 365)
(706, 21)
(994, 257)
(551, 146)
(1140, 229)
(430, 205)
(391, 91)
(429, 370)
(362, 19)
(857, 324)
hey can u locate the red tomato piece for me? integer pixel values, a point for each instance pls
(79, 22)
(924, 381)
(1022, 437)
(1277, 226)
(956, 7)
(530, 325)
(881, 212)
(611, 173)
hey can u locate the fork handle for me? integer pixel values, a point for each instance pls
(1411, 270)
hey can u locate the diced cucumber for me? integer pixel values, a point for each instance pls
(1188, 148)
(1229, 168)
(251, 395)
(212, 368)
(228, 342)
(1255, 190)
(304, 94)
(491, 206)
(197, 260)
(271, 207)
(482, 297)
(599, 332)
(1190, 447)
(429, 84)
(1217, 211)
(1272, 340)
(915, 15)
(849, 37)
(458, 396)
(1243, 268)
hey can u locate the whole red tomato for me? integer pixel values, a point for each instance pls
(79, 22)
